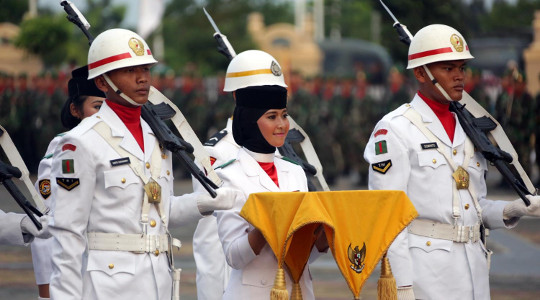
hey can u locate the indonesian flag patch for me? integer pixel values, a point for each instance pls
(380, 147)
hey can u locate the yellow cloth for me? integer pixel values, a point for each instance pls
(351, 219)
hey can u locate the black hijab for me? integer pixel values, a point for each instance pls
(251, 104)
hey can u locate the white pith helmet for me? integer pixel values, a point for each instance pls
(253, 68)
(117, 48)
(435, 43)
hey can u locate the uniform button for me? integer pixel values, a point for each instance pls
(434, 161)
(164, 156)
(153, 223)
(407, 105)
(428, 243)
(467, 206)
(123, 180)
(156, 253)
(478, 164)
(263, 281)
(98, 117)
(148, 165)
(111, 266)
(168, 172)
(454, 152)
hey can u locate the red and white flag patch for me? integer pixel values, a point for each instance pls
(380, 132)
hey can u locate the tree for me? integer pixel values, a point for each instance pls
(12, 10)
(188, 34)
(46, 37)
(56, 40)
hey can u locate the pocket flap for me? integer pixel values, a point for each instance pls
(254, 277)
(120, 178)
(431, 159)
(429, 244)
(111, 262)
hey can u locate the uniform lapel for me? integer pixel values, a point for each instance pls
(431, 120)
(253, 170)
(149, 141)
(119, 130)
(459, 134)
(283, 173)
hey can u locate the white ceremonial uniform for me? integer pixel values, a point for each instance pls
(212, 269)
(95, 193)
(42, 248)
(10, 230)
(253, 275)
(401, 157)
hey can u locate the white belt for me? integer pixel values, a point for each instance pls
(137, 243)
(458, 233)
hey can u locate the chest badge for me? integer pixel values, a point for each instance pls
(462, 178)
(153, 191)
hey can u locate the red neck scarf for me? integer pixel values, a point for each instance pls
(442, 111)
(270, 169)
(131, 117)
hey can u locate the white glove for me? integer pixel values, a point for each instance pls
(405, 293)
(224, 200)
(517, 208)
(28, 227)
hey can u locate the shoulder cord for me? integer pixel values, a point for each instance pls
(415, 118)
(105, 131)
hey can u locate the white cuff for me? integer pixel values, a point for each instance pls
(405, 293)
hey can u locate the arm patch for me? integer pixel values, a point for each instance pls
(382, 167)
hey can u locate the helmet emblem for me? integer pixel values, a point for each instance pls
(137, 46)
(457, 42)
(276, 70)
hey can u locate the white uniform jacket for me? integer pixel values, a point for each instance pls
(437, 268)
(212, 268)
(10, 230)
(42, 248)
(96, 191)
(253, 275)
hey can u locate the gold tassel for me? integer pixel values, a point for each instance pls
(279, 291)
(296, 292)
(386, 286)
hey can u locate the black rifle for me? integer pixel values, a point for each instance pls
(294, 136)
(155, 115)
(6, 173)
(477, 130)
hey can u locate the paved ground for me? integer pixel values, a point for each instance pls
(515, 272)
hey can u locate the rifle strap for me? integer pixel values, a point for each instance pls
(185, 130)
(16, 160)
(500, 137)
(136, 165)
(310, 154)
(416, 119)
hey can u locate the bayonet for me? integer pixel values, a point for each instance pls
(224, 47)
(211, 21)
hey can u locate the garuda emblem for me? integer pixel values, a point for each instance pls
(357, 257)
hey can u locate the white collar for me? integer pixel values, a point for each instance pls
(261, 157)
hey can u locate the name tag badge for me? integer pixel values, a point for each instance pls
(426, 146)
(120, 161)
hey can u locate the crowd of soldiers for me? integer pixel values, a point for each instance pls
(338, 114)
